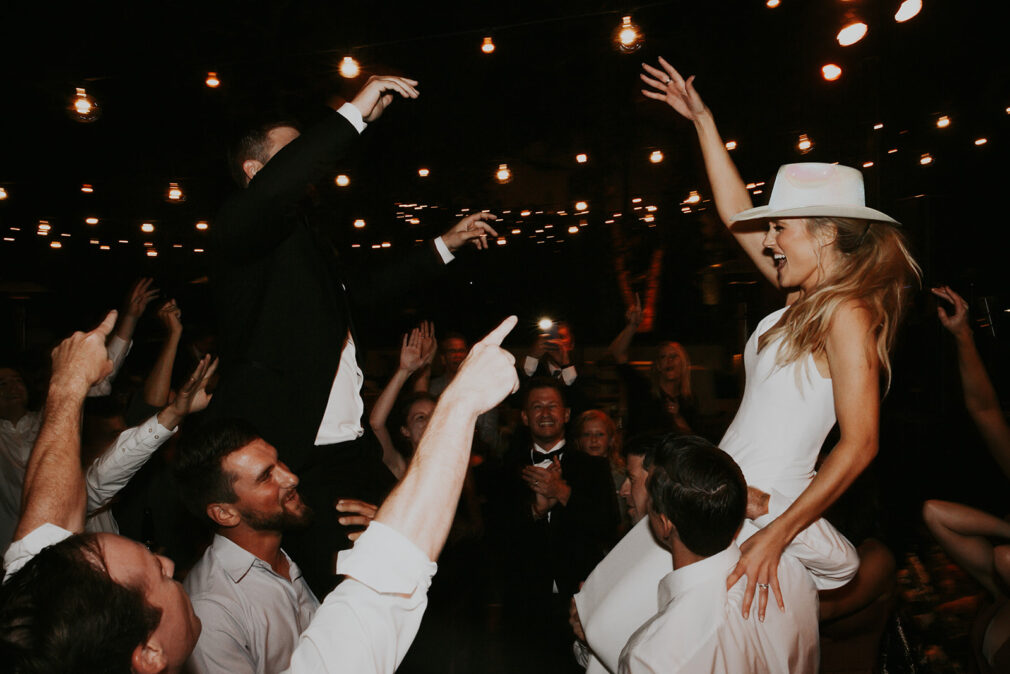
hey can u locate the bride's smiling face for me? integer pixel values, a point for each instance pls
(802, 258)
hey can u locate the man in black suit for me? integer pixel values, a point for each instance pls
(561, 521)
(290, 356)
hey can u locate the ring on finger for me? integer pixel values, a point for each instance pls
(763, 586)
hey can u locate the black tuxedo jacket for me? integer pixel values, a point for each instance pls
(283, 298)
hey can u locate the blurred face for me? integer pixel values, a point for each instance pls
(546, 415)
(454, 350)
(670, 362)
(634, 490)
(417, 421)
(266, 491)
(595, 438)
(13, 392)
(131, 564)
(800, 257)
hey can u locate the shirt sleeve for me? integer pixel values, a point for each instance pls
(119, 463)
(353, 115)
(369, 621)
(443, 251)
(530, 365)
(21, 551)
(220, 647)
(569, 375)
(117, 349)
(828, 555)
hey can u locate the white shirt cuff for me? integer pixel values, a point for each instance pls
(21, 551)
(443, 251)
(387, 561)
(353, 115)
(530, 365)
(777, 504)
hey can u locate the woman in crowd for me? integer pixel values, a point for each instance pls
(844, 269)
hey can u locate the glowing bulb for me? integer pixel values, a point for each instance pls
(649, 218)
(349, 68)
(804, 144)
(852, 33)
(926, 159)
(386, 244)
(943, 122)
(91, 221)
(545, 324)
(628, 36)
(202, 225)
(55, 244)
(342, 180)
(878, 126)
(105, 247)
(772, 4)
(693, 197)
(501, 241)
(573, 229)
(503, 175)
(147, 228)
(423, 172)
(212, 81)
(488, 46)
(981, 141)
(524, 214)
(359, 224)
(831, 72)
(730, 144)
(152, 253)
(3, 194)
(656, 156)
(44, 226)
(582, 157)
(198, 250)
(87, 189)
(83, 108)
(867, 164)
(517, 231)
(908, 10)
(414, 221)
(175, 193)
(581, 205)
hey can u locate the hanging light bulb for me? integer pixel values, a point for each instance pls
(772, 4)
(423, 172)
(926, 159)
(488, 45)
(147, 227)
(3, 194)
(908, 10)
(212, 81)
(981, 141)
(359, 224)
(804, 144)
(656, 156)
(831, 72)
(151, 252)
(581, 205)
(83, 108)
(91, 221)
(503, 174)
(581, 158)
(202, 225)
(174, 193)
(349, 68)
(730, 144)
(87, 189)
(693, 197)
(851, 33)
(342, 180)
(942, 122)
(55, 244)
(628, 36)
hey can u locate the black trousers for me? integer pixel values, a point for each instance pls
(352, 469)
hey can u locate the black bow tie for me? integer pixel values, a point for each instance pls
(538, 457)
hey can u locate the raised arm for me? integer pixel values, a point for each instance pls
(731, 196)
(159, 381)
(54, 483)
(619, 347)
(417, 350)
(852, 359)
(979, 395)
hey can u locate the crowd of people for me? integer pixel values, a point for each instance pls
(568, 535)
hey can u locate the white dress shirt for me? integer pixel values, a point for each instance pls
(252, 617)
(568, 373)
(700, 628)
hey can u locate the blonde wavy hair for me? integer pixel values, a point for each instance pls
(875, 268)
(685, 373)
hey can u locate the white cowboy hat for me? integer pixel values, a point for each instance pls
(816, 190)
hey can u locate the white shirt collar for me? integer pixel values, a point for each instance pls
(680, 581)
(236, 560)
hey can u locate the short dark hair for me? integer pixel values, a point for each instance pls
(198, 468)
(62, 612)
(253, 145)
(701, 490)
(644, 445)
(544, 382)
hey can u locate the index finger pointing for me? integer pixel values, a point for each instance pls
(105, 327)
(497, 336)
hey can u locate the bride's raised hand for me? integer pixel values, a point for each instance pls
(667, 85)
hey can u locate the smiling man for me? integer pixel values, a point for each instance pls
(250, 596)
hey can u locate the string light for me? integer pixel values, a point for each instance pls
(152, 253)
(908, 10)
(342, 180)
(174, 193)
(44, 226)
(831, 72)
(147, 227)
(488, 45)
(359, 224)
(693, 197)
(581, 205)
(926, 159)
(942, 122)
(202, 225)
(3, 194)
(581, 158)
(55, 244)
(867, 164)
(198, 250)
(731, 145)
(656, 156)
(772, 4)
(212, 81)
(423, 172)
(503, 174)
(501, 241)
(573, 229)
(386, 244)
(878, 126)
(804, 144)
(91, 221)
(87, 189)
(851, 33)
(349, 68)
(628, 36)
(981, 141)
(105, 247)
(524, 214)
(83, 108)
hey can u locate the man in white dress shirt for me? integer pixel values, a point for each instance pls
(140, 619)
(249, 595)
(698, 502)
